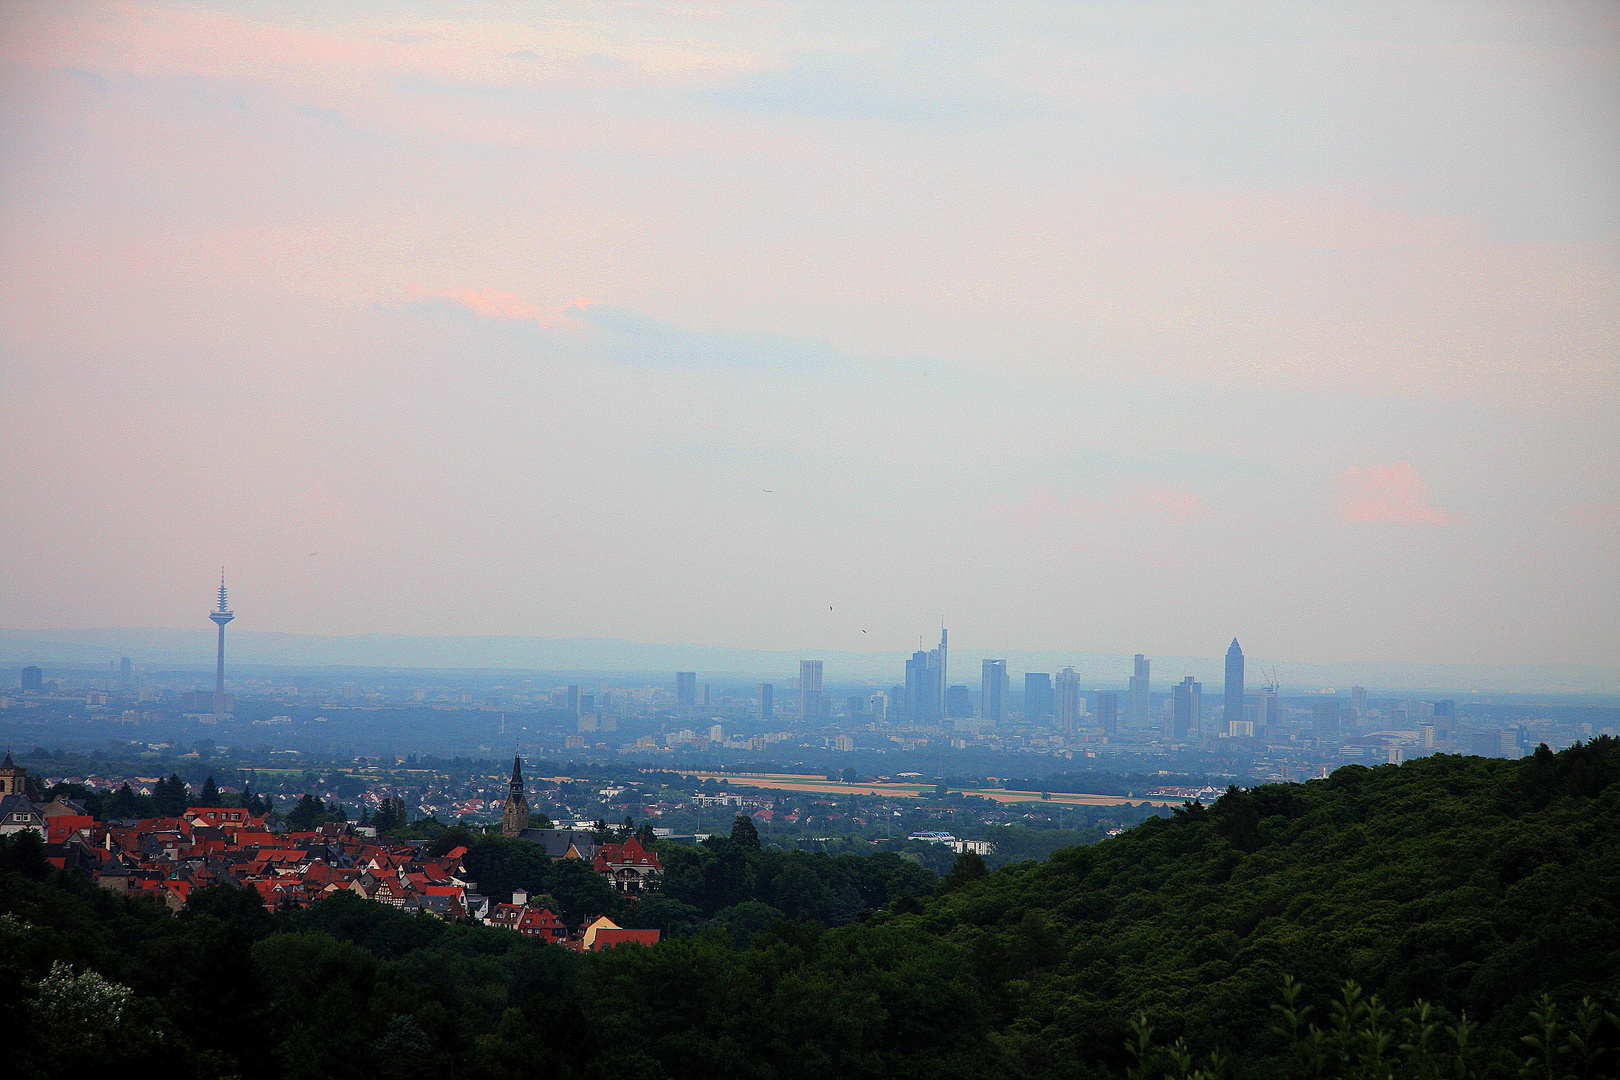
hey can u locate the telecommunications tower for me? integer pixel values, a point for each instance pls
(221, 616)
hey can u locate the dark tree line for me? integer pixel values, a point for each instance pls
(1449, 917)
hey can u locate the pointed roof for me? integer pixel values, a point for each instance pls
(1234, 647)
(517, 769)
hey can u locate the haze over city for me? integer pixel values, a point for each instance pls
(804, 326)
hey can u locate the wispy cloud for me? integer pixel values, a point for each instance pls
(505, 305)
(1149, 504)
(634, 338)
(1392, 493)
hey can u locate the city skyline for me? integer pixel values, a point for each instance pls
(1125, 326)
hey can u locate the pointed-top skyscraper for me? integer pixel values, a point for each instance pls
(221, 616)
(1233, 710)
(515, 814)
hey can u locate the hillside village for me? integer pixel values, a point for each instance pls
(167, 858)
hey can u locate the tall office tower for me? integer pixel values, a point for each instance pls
(993, 691)
(1185, 707)
(811, 702)
(1358, 702)
(1233, 710)
(943, 656)
(1108, 712)
(958, 703)
(33, 678)
(1447, 709)
(879, 706)
(125, 670)
(685, 691)
(1136, 705)
(1038, 700)
(221, 616)
(573, 701)
(1065, 701)
(515, 814)
(924, 694)
(1267, 710)
(1324, 720)
(767, 701)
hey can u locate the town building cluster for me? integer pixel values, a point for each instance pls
(166, 858)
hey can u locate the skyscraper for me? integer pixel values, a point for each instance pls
(685, 692)
(1185, 707)
(1232, 712)
(993, 691)
(1136, 704)
(767, 701)
(1108, 712)
(1067, 700)
(925, 684)
(221, 616)
(812, 705)
(1038, 699)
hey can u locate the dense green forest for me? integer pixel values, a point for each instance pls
(1452, 916)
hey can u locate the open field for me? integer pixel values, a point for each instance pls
(791, 782)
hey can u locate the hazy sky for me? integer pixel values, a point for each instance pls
(1115, 327)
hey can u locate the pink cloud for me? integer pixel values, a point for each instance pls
(1157, 503)
(505, 305)
(1395, 492)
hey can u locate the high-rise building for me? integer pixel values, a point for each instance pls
(685, 691)
(1185, 708)
(33, 678)
(993, 691)
(1038, 698)
(573, 701)
(925, 690)
(1358, 703)
(515, 814)
(812, 704)
(1324, 720)
(1108, 712)
(767, 701)
(1232, 711)
(958, 703)
(1136, 704)
(220, 615)
(1263, 709)
(1066, 700)
(879, 706)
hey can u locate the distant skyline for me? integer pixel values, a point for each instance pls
(1110, 328)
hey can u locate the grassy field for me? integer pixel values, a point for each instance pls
(791, 782)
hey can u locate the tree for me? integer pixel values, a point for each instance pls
(306, 815)
(389, 816)
(170, 796)
(969, 866)
(850, 776)
(210, 793)
(744, 833)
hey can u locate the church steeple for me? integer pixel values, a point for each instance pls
(515, 814)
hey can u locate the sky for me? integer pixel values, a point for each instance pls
(1115, 327)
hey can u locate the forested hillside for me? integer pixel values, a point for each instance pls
(1397, 921)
